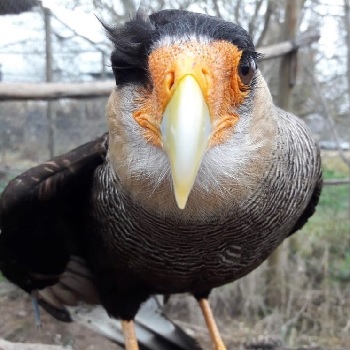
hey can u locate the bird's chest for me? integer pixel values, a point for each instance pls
(172, 256)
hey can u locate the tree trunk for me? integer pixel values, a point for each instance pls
(276, 291)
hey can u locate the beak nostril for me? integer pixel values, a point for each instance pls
(169, 81)
(206, 78)
(205, 73)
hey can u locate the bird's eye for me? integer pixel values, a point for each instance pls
(246, 70)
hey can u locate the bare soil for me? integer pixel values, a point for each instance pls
(17, 325)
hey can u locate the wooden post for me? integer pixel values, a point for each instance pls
(288, 62)
(103, 66)
(276, 291)
(49, 78)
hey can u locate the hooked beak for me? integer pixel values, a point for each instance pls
(186, 129)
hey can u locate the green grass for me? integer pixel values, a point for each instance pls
(327, 234)
(335, 198)
(334, 203)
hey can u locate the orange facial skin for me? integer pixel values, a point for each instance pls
(214, 66)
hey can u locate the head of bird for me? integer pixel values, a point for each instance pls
(186, 118)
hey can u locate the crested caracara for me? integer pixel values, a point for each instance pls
(198, 180)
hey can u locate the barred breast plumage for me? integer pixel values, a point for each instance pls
(188, 254)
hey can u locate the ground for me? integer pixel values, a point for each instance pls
(17, 325)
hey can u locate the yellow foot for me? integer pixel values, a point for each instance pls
(219, 346)
(211, 324)
(129, 335)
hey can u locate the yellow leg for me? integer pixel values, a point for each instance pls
(211, 324)
(129, 335)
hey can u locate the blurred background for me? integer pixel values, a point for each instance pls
(302, 294)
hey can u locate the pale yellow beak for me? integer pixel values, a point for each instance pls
(186, 130)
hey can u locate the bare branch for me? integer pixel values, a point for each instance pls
(97, 47)
(285, 47)
(50, 91)
(336, 182)
(238, 6)
(217, 9)
(267, 18)
(328, 115)
(252, 23)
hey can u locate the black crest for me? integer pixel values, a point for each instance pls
(131, 46)
(133, 41)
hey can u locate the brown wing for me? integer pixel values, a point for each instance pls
(75, 285)
(42, 214)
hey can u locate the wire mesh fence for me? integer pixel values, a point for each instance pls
(40, 46)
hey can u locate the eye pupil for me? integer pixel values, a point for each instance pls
(245, 70)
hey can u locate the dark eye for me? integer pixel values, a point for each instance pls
(246, 70)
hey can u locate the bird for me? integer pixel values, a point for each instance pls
(199, 178)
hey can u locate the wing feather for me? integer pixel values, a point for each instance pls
(42, 216)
